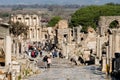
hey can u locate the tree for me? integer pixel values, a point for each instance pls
(89, 15)
(4, 14)
(54, 21)
(18, 28)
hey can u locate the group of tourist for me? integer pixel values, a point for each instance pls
(46, 56)
(33, 51)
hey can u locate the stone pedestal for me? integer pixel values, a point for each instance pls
(66, 52)
(110, 65)
(13, 75)
(8, 51)
(104, 64)
(96, 61)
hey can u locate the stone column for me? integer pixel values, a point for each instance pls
(14, 48)
(66, 51)
(78, 36)
(29, 33)
(108, 60)
(69, 36)
(103, 64)
(110, 51)
(22, 47)
(17, 49)
(107, 54)
(37, 34)
(8, 51)
(98, 50)
(40, 34)
(64, 48)
(73, 32)
(99, 47)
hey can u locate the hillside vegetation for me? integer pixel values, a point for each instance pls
(89, 15)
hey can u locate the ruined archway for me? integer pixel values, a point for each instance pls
(110, 33)
(114, 24)
(105, 22)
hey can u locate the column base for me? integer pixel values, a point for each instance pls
(104, 64)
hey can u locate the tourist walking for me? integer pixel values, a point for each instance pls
(40, 53)
(60, 54)
(49, 62)
(45, 60)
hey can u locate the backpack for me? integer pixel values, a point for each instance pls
(32, 54)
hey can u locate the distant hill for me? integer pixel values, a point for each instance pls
(46, 11)
(39, 6)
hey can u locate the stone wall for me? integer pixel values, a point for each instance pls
(62, 24)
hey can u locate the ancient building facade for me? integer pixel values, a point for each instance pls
(34, 23)
(63, 32)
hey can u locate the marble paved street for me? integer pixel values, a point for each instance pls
(69, 72)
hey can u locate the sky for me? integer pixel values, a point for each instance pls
(63, 2)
